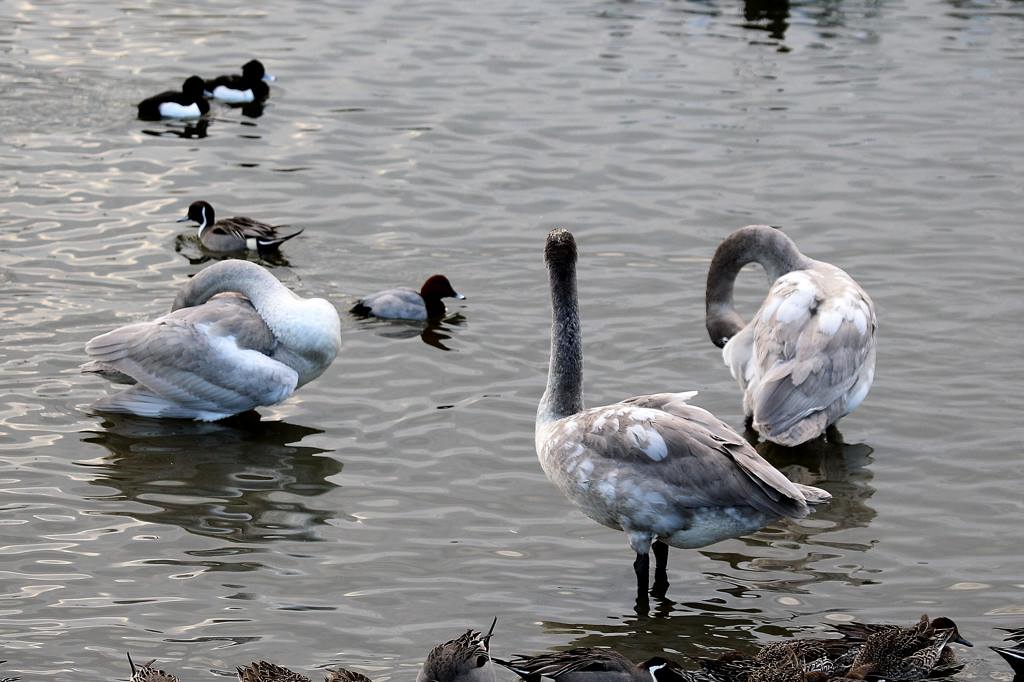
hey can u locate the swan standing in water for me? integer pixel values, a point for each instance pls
(236, 339)
(665, 472)
(807, 358)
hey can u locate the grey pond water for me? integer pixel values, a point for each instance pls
(397, 500)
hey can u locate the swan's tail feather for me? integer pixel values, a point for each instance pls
(814, 496)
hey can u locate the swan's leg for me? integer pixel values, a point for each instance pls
(832, 434)
(642, 567)
(748, 422)
(660, 568)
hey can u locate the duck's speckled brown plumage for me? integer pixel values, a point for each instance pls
(147, 673)
(463, 659)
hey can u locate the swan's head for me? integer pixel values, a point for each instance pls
(560, 248)
(438, 287)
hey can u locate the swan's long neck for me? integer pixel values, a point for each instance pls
(763, 244)
(564, 393)
(262, 289)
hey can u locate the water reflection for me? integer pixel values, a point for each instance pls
(192, 250)
(431, 332)
(188, 131)
(239, 479)
(767, 15)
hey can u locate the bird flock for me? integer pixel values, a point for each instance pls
(661, 469)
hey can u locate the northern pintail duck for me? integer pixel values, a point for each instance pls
(666, 472)
(216, 355)
(463, 659)
(591, 664)
(262, 671)
(403, 303)
(785, 659)
(250, 86)
(1013, 655)
(234, 234)
(807, 358)
(909, 654)
(147, 673)
(186, 103)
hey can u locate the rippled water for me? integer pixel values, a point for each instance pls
(397, 499)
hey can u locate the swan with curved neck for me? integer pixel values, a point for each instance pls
(235, 339)
(665, 472)
(807, 358)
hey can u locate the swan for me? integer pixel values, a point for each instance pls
(236, 339)
(807, 358)
(666, 472)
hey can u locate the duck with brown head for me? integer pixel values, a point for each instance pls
(807, 358)
(666, 472)
(403, 303)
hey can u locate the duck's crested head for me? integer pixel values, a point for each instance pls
(438, 286)
(253, 70)
(560, 248)
(194, 85)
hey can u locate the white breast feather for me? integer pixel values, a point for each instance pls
(231, 96)
(175, 110)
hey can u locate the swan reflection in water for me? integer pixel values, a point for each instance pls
(431, 332)
(241, 479)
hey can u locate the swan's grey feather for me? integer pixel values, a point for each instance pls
(659, 447)
(802, 357)
(211, 359)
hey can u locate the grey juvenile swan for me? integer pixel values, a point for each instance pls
(807, 358)
(216, 355)
(665, 472)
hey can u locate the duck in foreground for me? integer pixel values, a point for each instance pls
(666, 472)
(464, 659)
(234, 234)
(592, 664)
(236, 339)
(251, 86)
(147, 673)
(907, 654)
(807, 358)
(1013, 655)
(188, 103)
(403, 303)
(262, 671)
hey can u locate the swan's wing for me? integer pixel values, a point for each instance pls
(813, 344)
(699, 459)
(204, 362)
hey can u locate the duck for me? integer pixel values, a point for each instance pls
(234, 234)
(909, 654)
(250, 86)
(187, 103)
(147, 673)
(466, 658)
(594, 664)
(665, 472)
(403, 303)
(1013, 655)
(236, 339)
(807, 357)
(262, 671)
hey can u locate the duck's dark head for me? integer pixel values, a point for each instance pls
(663, 670)
(943, 623)
(253, 70)
(199, 212)
(437, 287)
(194, 86)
